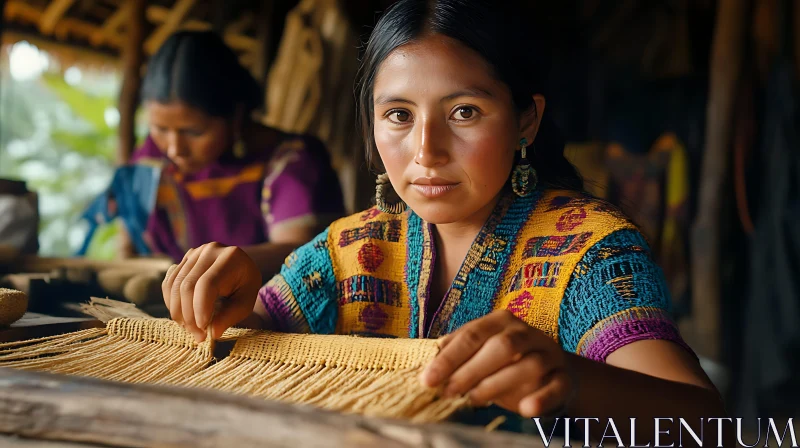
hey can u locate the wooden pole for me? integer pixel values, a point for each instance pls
(91, 412)
(54, 12)
(171, 24)
(2, 27)
(264, 36)
(728, 50)
(132, 59)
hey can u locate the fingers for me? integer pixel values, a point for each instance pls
(233, 311)
(205, 275)
(166, 284)
(547, 400)
(173, 302)
(500, 350)
(243, 294)
(503, 360)
(205, 257)
(457, 349)
(233, 281)
(442, 341)
(175, 292)
(505, 385)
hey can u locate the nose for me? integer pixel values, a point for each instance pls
(430, 143)
(175, 146)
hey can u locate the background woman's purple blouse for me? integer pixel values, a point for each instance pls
(242, 201)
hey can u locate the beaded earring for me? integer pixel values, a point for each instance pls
(386, 198)
(523, 178)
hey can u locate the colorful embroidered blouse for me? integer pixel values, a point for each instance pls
(239, 202)
(567, 264)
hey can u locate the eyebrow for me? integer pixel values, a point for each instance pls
(386, 99)
(476, 92)
(470, 91)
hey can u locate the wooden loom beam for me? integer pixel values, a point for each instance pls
(58, 408)
(111, 26)
(52, 14)
(232, 35)
(726, 68)
(170, 25)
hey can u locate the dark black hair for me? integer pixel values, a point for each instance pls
(198, 69)
(505, 34)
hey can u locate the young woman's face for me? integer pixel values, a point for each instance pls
(445, 129)
(189, 137)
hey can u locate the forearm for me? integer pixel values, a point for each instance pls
(269, 257)
(608, 392)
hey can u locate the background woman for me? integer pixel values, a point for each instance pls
(214, 173)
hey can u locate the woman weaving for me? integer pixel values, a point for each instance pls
(547, 299)
(215, 174)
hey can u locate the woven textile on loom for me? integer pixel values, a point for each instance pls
(369, 376)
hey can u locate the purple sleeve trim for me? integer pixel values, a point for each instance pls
(283, 309)
(619, 333)
(276, 308)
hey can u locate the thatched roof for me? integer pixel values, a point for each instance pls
(99, 25)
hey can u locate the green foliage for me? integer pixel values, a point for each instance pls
(90, 144)
(103, 245)
(82, 103)
(63, 148)
(100, 141)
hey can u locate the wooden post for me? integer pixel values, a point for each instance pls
(132, 59)
(2, 21)
(728, 49)
(264, 36)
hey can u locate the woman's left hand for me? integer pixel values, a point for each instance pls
(502, 360)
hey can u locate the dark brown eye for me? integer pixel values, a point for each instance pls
(464, 113)
(401, 116)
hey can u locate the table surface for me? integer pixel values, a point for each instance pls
(35, 325)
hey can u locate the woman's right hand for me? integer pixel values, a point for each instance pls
(207, 274)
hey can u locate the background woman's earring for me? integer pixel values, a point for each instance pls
(386, 198)
(239, 149)
(523, 178)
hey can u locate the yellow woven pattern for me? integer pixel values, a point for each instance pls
(348, 256)
(336, 351)
(574, 214)
(369, 376)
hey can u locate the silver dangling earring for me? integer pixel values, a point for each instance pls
(524, 177)
(386, 198)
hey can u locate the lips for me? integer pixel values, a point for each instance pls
(433, 187)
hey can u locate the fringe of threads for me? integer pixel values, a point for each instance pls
(154, 351)
(368, 376)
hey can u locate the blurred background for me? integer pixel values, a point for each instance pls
(682, 112)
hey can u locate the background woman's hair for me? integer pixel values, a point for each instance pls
(197, 68)
(506, 34)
